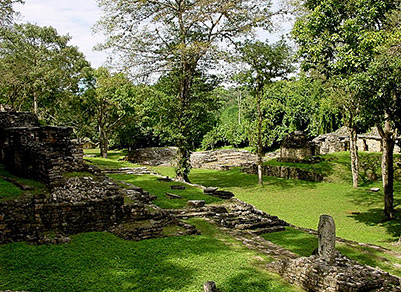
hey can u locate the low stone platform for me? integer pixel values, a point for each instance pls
(235, 214)
(315, 274)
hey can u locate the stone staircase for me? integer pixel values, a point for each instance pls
(235, 215)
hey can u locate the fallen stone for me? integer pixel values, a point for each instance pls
(196, 203)
(210, 286)
(166, 179)
(177, 187)
(173, 196)
(209, 190)
(222, 194)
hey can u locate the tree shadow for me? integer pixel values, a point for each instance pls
(236, 178)
(375, 217)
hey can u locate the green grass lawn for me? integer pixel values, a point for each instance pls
(159, 188)
(114, 159)
(9, 191)
(103, 262)
(357, 212)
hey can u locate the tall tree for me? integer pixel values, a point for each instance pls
(265, 63)
(342, 39)
(334, 37)
(110, 102)
(181, 36)
(38, 67)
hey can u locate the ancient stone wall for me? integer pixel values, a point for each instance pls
(82, 204)
(222, 159)
(214, 159)
(286, 172)
(295, 147)
(41, 153)
(339, 141)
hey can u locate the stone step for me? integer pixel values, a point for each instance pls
(268, 230)
(257, 225)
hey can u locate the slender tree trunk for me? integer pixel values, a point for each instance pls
(239, 108)
(184, 153)
(260, 144)
(354, 155)
(35, 104)
(387, 135)
(103, 142)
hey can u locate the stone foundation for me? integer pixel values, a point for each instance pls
(85, 204)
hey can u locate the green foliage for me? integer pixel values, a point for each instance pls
(38, 68)
(7, 12)
(180, 38)
(102, 262)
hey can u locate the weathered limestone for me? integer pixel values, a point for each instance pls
(295, 147)
(234, 214)
(72, 205)
(42, 153)
(215, 159)
(326, 238)
(339, 141)
(210, 286)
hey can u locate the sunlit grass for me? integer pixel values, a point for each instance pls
(102, 262)
(160, 188)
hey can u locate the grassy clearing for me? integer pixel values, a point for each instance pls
(159, 188)
(9, 191)
(304, 244)
(358, 213)
(114, 159)
(102, 262)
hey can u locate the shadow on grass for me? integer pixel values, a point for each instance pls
(236, 178)
(297, 241)
(375, 217)
(100, 261)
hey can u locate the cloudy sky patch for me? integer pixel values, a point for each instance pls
(73, 17)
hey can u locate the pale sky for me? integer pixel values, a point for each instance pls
(76, 18)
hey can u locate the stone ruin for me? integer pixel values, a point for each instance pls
(295, 147)
(330, 271)
(42, 153)
(339, 141)
(89, 202)
(223, 159)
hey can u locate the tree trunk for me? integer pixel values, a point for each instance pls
(260, 144)
(103, 142)
(387, 135)
(184, 153)
(354, 155)
(183, 163)
(35, 104)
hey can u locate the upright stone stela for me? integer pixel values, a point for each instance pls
(326, 238)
